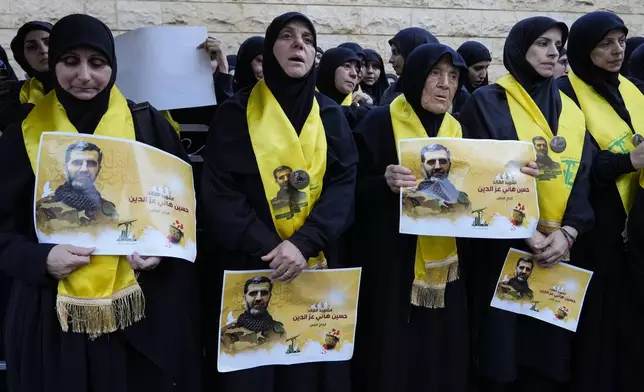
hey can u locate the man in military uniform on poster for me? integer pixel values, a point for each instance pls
(255, 326)
(517, 288)
(77, 202)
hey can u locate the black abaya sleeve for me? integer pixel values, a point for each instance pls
(21, 257)
(579, 212)
(223, 86)
(333, 212)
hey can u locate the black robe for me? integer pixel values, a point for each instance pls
(240, 229)
(399, 347)
(162, 352)
(504, 343)
(605, 314)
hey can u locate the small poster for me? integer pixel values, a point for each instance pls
(468, 188)
(119, 196)
(265, 322)
(554, 295)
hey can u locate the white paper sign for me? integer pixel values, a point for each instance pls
(163, 66)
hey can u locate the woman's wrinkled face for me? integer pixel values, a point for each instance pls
(372, 73)
(544, 52)
(440, 86)
(346, 77)
(257, 65)
(609, 52)
(36, 50)
(396, 60)
(295, 49)
(83, 72)
(478, 73)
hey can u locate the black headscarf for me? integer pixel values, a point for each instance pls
(357, 49)
(474, 52)
(631, 45)
(382, 83)
(585, 34)
(11, 75)
(295, 96)
(636, 66)
(331, 60)
(75, 31)
(412, 81)
(406, 40)
(231, 59)
(18, 49)
(544, 91)
(244, 75)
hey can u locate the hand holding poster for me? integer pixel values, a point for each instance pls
(116, 195)
(468, 188)
(554, 295)
(265, 322)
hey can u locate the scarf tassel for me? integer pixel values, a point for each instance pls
(96, 317)
(432, 296)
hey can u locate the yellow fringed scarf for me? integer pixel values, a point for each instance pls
(104, 295)
(280, 152)
(32, 91)
(554, 183)
(436, 262)
(609, 130)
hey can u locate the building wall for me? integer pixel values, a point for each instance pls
(369, 22)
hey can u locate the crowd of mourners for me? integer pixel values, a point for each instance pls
(582, 83)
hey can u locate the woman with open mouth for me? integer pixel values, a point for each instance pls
(271, 202)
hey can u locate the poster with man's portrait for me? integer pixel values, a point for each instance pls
(118, 196)
(554, 295)
(266, 322)
(468, 188)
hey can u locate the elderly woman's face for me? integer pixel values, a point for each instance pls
(440, 86)
(83, 72)
(609, 52)
(295, 49)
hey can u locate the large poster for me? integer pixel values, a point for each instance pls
(554, 295)
(468, 188)
(116, 195)
(266, 322)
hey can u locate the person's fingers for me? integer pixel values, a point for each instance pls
(407, 184)
(280, 272)
(400, 169)
(80, 251)
(545, 243)
(404, 177)
(271, 255)
(76, 261)
(293, 276)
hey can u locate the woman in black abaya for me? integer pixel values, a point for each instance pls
(238, 215)
(478, 59)
(595, 51)
(249, 63)
(400, 346)
(510, 351)
(160, 352)
(374, 83)
(30, 47)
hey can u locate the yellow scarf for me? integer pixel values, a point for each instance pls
(32, 91)
(104, 295)
(347, 100)
(609, 130)
(436, 261)
(279, 153)
(556, 180)
(175, 125)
